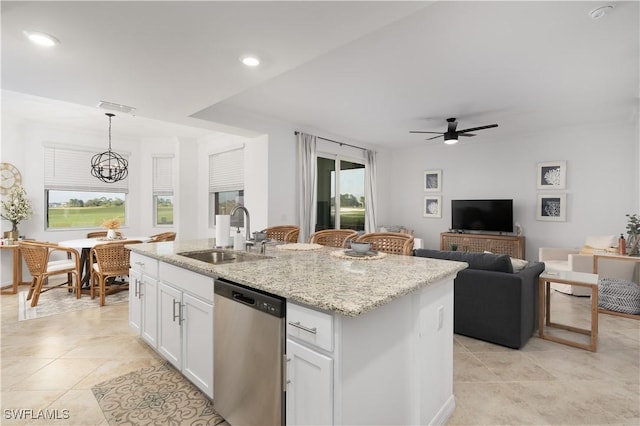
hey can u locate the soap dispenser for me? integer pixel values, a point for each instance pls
(238, 241)
(622, 245)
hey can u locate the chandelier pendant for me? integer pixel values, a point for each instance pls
(109, 166)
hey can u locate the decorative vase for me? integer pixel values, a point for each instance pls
(111, 234)
(13, 234)
(634, 240)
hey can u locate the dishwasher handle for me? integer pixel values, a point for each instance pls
(243, 299)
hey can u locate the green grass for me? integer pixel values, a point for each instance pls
(165, 215)
(352, 218)
(83, 217)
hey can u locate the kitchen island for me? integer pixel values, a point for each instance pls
(382, 350)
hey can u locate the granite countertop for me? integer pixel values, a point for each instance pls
(314, 277)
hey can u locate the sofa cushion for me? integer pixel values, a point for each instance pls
(518, 264)
(483, 261)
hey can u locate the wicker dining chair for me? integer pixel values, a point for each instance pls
(286, 233)
(389, 242)
(102, 234)
(164, 236)
(111, 262)
(38, 258)
(333, 237)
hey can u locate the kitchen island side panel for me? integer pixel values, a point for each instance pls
(395, 364)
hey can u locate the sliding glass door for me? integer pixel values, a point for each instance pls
(344, 177)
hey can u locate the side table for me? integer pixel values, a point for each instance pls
(544, 306)
(17, 269)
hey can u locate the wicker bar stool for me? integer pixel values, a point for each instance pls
(37, 256)
(333, 237)
(111, 261)
(164, 236)
(286, 233)
(389, 242)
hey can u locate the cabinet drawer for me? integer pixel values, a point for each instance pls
(144, 264)
(188, 281)
(310, 326)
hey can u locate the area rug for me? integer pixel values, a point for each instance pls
(58, 301)
(157, 395)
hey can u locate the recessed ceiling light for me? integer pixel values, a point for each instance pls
(601, 11)
(41, 39)
(250, 60)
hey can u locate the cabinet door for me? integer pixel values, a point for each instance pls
(310, 386)
(135, 303)
(197, 340)
(169, 324)
(149, 294)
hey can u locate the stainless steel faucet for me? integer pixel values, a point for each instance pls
(248, 224)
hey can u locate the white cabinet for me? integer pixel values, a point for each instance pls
(185, 324)
(309, 366)
(309, 386)
(143, 287)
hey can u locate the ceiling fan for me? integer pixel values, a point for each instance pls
(451, 135)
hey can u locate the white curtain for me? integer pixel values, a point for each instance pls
(308, 184)
(370, 191)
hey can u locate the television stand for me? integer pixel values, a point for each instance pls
(512, 245)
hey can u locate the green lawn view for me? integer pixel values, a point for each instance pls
(352, 218)
(165, 215)
(84, 217)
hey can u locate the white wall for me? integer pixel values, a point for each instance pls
(602, 181)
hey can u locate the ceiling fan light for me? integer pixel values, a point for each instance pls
(250, 61)
(451, 141)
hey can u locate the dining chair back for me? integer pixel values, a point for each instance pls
(286, 233)
(389, 242)
(164, 236)
(111, 262)
(333, 237)
(38, 258)
(102, 234)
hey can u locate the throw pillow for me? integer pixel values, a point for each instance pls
(601, 242)
(518, 264)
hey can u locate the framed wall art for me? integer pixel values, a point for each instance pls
(432, 206)
(552, 207)
(552, 175)
(432, 180)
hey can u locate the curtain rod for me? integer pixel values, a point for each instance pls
(339, 143)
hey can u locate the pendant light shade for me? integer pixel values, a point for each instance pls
(109, 166)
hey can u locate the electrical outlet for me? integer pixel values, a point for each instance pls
(440, 317)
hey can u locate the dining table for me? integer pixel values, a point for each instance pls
(84, 246)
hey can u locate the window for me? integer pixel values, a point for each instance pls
(74, 198)
(163, 190)
(348, 181)
(226, 185)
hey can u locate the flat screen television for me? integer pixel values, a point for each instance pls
(482, 215)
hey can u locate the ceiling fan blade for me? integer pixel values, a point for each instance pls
(471, 129)
(435, 137)
(420, 131)
(466, 134)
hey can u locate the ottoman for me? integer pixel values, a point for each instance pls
(619, 296)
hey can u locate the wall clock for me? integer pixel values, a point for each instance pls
(9, 177)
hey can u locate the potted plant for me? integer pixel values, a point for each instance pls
(633, 231)
(16, 209)
(112, 225)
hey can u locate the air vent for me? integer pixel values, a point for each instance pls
(116, 107)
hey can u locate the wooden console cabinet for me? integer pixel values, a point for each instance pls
(512, 245)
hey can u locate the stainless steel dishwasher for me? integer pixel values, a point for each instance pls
(248, 355)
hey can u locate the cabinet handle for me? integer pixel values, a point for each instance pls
(137, 288)
(180, 316)
(302, 327)
(285, 381)
(140, 264)
(174, 310)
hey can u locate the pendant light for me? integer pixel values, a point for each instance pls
(109, 166)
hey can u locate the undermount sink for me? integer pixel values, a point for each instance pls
(219, 256)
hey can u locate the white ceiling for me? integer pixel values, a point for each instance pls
(366, 71)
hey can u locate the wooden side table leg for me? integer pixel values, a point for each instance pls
(541, 305)
(594, 318)
(17, 270)
(547, 301)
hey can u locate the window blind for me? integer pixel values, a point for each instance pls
(69, 169)
(163, 175)
(226, 171)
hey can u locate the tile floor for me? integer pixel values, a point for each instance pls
(52, 362)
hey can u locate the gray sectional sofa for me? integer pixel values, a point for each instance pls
(491, 301)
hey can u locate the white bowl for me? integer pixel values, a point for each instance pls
(360, 247)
